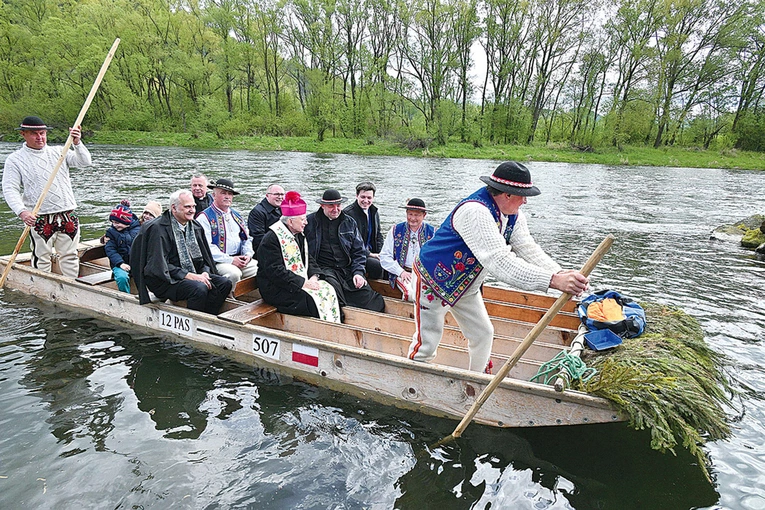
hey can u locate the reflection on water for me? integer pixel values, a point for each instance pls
(96, 415)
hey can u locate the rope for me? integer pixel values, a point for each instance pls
(572, 365)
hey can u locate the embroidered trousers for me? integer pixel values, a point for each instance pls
(65, 247)
(471, 316)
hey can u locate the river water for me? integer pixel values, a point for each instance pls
(97, 416)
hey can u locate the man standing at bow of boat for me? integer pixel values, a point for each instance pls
(56, 226)
(172, 259)
(485, 232)
(227, 234)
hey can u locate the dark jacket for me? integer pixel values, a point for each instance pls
(260, 218)
(357, 213)
(279, 286)
(155, 254)
(350, 240)
(117, 248)
(202, 203)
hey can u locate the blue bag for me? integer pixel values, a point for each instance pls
(631, 326)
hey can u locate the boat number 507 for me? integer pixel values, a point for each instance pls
(266, 347)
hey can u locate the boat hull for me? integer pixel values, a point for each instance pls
(429, 388)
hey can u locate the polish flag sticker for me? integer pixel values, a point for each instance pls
(306, 355)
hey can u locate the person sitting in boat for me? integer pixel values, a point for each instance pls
(199, 189)
(485, 233)
(402, 245)
(226, 233)
(334, 242)
(289, 277)
(119, 238)
(25, 175)
(265, 214)
(368, 222)
(152, 210)
(172, 259)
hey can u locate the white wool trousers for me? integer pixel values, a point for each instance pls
(65, 247)
(471, 316)
(235, 274)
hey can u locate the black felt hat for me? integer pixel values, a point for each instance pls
(331, 197)
(224, 183)
(32, 123)
(415, 204)
(512, 178)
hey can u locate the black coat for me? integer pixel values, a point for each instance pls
(357, 213)
(279, 286)
(155, 254)
(260, 218)
(350, 240)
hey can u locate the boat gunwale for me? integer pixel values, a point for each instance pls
(439, 370)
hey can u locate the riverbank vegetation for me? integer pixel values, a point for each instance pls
(561, 153)
(560, 80)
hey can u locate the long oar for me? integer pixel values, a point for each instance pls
(601, 250)
(68, 144)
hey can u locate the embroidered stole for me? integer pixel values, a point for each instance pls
(325, 297)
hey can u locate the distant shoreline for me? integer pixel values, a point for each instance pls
(628, 156)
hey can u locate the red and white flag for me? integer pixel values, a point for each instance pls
(306, 355)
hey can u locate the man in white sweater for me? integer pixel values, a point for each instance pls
(227, 234)
(485, 232)
(26, 172)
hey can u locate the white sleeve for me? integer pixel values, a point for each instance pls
(386, 255)
(78, 156)
(12, 186)
(475, 224)
(218, 256)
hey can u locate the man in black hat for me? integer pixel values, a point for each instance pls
(486, 232)
(26, 172)
(227, 234)
(334, 242)
(403, 244)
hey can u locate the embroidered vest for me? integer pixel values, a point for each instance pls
(446, 264)
(401, 240)
(218, 227)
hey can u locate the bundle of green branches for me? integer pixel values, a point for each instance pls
(667, 380)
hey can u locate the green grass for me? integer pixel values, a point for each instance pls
(646, 156)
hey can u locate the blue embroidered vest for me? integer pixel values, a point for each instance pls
(217, 227)
(401, 240)
(446, 263)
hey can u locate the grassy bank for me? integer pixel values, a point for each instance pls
(666, 156)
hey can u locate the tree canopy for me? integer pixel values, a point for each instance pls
(585, 73)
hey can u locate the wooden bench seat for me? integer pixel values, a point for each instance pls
(248, 312)
(245, 286)
(96, 278)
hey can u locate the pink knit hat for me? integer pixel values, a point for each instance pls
(293, 205)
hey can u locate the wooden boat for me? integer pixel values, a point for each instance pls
(365, 356)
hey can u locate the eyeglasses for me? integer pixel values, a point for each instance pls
(276, 194)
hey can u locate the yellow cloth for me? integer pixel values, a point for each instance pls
(607, 310)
